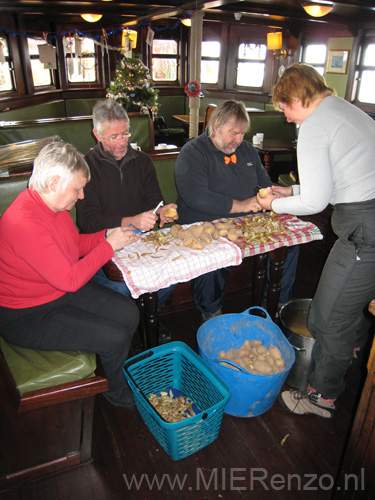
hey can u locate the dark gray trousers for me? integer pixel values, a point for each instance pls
(93, 319)
(338, 315)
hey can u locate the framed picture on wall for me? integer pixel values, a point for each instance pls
(337, 61)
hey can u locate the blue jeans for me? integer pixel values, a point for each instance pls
(208, 290)
(120, 287)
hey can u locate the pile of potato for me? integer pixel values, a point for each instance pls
(198, 236)
(255, 358)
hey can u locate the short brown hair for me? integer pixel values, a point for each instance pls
(303, 82)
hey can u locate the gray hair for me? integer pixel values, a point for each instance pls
(224, 112)
(106, 111)
(57, 159)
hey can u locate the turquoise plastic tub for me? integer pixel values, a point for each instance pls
(251, 394)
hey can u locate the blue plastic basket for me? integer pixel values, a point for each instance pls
(251, 394)
(176, 366)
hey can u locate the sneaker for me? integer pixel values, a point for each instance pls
(164, 334)
(303, 402)
(122, 398)
(205, 318)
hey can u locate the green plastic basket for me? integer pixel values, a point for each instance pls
(175, 366)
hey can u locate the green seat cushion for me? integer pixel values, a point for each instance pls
(34, 369)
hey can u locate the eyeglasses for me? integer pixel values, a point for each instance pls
(116, 138)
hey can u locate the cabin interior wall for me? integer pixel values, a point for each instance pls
(229, 33)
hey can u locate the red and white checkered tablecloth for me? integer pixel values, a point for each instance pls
(298, 232)
(146, 269)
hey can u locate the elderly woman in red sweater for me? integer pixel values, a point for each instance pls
(47, 300)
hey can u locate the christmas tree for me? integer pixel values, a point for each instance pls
(133, 87)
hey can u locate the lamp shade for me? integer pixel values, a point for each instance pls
(274, 40)
(91, 18)
(186, 21)
(316, 9)
(132, 37)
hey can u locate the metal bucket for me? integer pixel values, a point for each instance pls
(293, 319)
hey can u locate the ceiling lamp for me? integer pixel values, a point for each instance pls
(275, 43)
(317, 9)
(186, 21)
(91, 18)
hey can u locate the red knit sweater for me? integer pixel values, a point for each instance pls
(42, 255)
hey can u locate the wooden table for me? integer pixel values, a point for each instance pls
(185, 119)
(147, 303)
(271, 147)
(143, 278)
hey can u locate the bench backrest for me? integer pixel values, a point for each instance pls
(164, 165)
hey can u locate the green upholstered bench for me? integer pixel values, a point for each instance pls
(36, 369)
(47, 409)
(164, 165)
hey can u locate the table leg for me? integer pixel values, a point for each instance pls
(277, 258)
(151, 318)
(142, 324)
(259, 278)
(267, 162)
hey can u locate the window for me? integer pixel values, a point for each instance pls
(210, 62)
(316, 55)
(164, 60)
(6, 81)
(366, 75)
(41, 76)
(251, 64)
(80, 59)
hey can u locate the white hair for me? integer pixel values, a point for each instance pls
(57, 159)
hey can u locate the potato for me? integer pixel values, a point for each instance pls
(206, 238)
(275, 352)
(246, 345)
(279, 362)
(182, 233)
(170, 212)
(175, 229)
(223, 232)
(196, 230)
(215, 234)
(263, 192)
(222, 225)
(208, 227)
(261, 349)
(262, 367)
(191, 242)
(232, 236)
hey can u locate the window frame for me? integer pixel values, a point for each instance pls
(218, 59)
(177, 57)
(315, 65)
(256, 40)
(40, 88)
(367, 39)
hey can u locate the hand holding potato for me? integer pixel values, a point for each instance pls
(168, 213)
